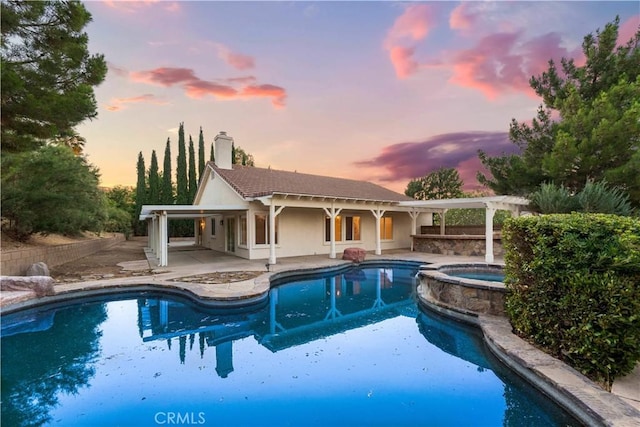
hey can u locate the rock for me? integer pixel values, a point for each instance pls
(41, 285)
(354, 254)
(38, 269)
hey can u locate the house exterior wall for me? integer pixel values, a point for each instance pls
(301, 231)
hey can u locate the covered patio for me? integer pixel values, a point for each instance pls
(513, 204)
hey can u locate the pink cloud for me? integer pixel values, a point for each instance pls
(276, 93)
(200, 88)
(408, 160)
(403, 61)
(462, 18)
(118, 104)
(139, 5)
(237, 60)
(413, 25)
(164, 76)
(628, 29)
(503, 63)
(195, 87)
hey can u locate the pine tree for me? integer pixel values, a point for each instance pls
(182, 190)
(153, 198)
(212, 157)
(193, 183)
(141, 192)
(166, 190)
(201, 154)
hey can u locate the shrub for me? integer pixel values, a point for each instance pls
(574, 289)
(595, 197)
(50, 190)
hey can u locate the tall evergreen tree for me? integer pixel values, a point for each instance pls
(596, 137)
(153, 198)
(166, 190)
(193, 182)
(141, 192)
(212, 157)
(47, 72)
(201, 154)
(233, 154)
(182, 190)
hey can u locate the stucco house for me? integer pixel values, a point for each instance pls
(261, 213)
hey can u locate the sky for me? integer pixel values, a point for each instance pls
(377, 91)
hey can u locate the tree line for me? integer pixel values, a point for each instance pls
(155, 187)
(586, 159)
(48, 76)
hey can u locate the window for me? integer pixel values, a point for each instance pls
(350, 230)
(262, 229)
(386, 228)
(243, 231)
(213, 226)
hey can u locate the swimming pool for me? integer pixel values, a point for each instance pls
(345, 348)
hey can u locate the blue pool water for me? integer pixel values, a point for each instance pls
(491, 277)
(341, 349)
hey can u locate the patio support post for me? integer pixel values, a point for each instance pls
(164, 249)
(414, 214)
(332, 214)
(378, 213)
(443, 224)
(152, 234)
(273, 213)
(488, 233)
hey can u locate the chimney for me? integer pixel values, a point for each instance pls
(223, 144)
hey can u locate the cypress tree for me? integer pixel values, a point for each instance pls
(166, 191)
(233, 154)
(201, 154)
(153, 197)
(212, 157)
(182, 190)
(193, 182)
(141, 191)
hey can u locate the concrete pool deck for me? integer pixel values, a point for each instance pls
(619, 408)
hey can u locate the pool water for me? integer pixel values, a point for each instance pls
(341, 349)
(491, 277)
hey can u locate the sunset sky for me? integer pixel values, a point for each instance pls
(378, 91)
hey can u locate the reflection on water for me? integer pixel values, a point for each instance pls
(353, 341)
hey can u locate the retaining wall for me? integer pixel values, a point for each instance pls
(16, 261)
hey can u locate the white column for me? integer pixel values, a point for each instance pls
(332, 214)
(488, 233)
(414, 214)
(152, 234)
(273, 213)
(443, 222)
(164, 249)
(378, 213)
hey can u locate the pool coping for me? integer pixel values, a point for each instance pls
(577, 394)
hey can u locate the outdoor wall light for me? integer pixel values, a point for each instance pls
(222, 222)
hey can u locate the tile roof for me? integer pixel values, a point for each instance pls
(250, 182)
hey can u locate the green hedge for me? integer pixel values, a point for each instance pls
(574, 289)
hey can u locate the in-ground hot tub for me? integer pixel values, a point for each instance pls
(470, 289)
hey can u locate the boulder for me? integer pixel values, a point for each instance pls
(354, 254)
(41, 285)
(38, 269)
